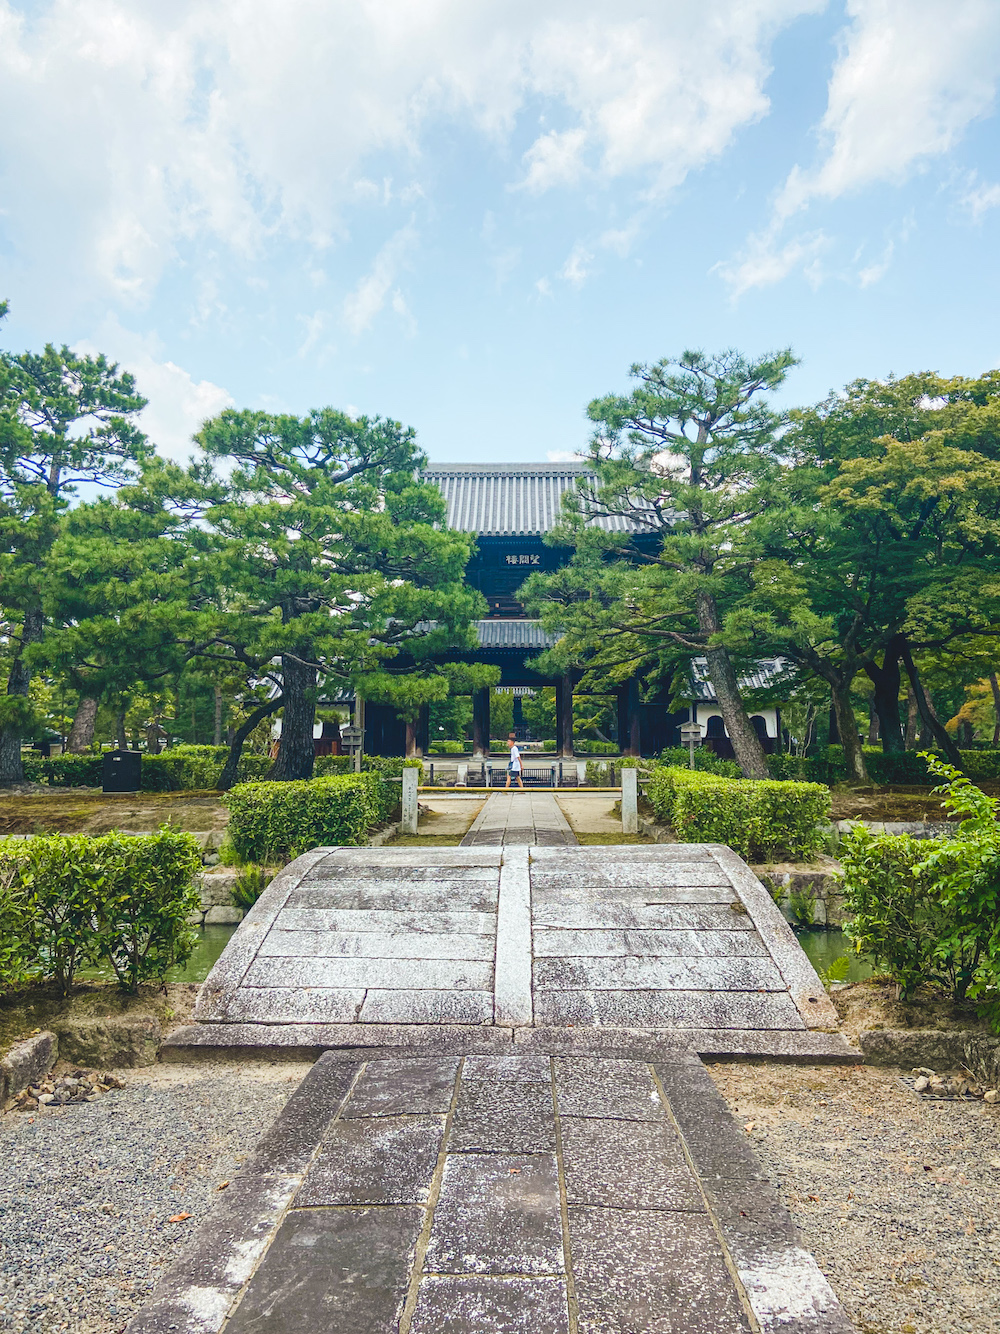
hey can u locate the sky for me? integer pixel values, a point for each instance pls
(474, 217)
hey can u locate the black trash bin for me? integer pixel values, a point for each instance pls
(122, 770)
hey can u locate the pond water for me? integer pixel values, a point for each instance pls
(823, 947)
(212, 940)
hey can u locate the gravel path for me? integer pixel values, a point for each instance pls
(896, 1196)
(86, 1191)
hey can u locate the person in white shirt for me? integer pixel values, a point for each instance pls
(514, 767)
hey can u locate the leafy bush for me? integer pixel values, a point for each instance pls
(122, 898)
(249, 886)
(587, 746)
(180, 769)
(325, 765)
(389, 766)
(15, 955)
(274, 821)
(926, 910)
(758, 819)
(450, 747)
(705, 761)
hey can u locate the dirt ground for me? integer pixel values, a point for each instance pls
(873, 1004)
(894, 1194)
(891, 803)
(87, 811)
(23, 1013)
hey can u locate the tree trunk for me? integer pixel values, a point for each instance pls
(296, 752)
(912, 718)
(412, 748)
(872, 723)
(228, 776)
(886, 680)
(18, 683)
(564, 717)
(995, 687)
(81, 734)
(217, 735)
(847, 726)
(927, 716)
(480, 724)
(746, 743)
(120, 729)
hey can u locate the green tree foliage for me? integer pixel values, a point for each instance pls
(685, 463)
(64, 419)
(333, 566)
(882, 543)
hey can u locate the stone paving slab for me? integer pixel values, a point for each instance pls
(365, 1209)
(678, 937)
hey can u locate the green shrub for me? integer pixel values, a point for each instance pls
(760, 820)
(450, 747)
(389, 766)
(602, 773)
(122, 898)
(705, 761)
(326, 765)
(274, 821)
(926, 910)
(16, 957)
(587, 746)
(249, 886)
(177, 770)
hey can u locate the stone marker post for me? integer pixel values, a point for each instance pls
(630, 804)
(410, 800)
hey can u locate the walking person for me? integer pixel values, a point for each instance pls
(514, 767)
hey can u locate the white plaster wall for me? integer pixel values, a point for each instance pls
(705, 711)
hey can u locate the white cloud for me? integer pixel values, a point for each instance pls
(576, 269)
(979, 199)
(873, 273)
(178, 405)
(911, 76)
(133, 133)
(564, 456)
(367, 299)
(766, 260)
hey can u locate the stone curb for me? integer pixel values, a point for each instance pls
(783, 1284)
(804, 986)
(303, 1042)
(195, 1294)
(27, 1063)
(937, 1048)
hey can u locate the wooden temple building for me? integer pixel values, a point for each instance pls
(510, 508)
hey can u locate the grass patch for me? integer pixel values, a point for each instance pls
(425, 841)
(609, 840)
(62, 811)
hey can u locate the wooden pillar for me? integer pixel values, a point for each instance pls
(424, 730)
(564, 717)
(628, 718)
(480, 724)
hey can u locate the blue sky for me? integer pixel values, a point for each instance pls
(474, 216)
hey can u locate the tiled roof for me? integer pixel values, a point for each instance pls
(767, 673)
(520, 634)
(498, 499)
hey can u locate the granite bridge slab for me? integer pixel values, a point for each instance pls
(496, 944)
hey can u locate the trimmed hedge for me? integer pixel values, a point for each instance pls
(269, 821)
(705, 761)
(177, 770)
(120, 898)
(760, 820)
(905, 768)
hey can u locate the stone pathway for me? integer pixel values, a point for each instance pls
(369, 946)
(519, 818)
(499, 1195)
